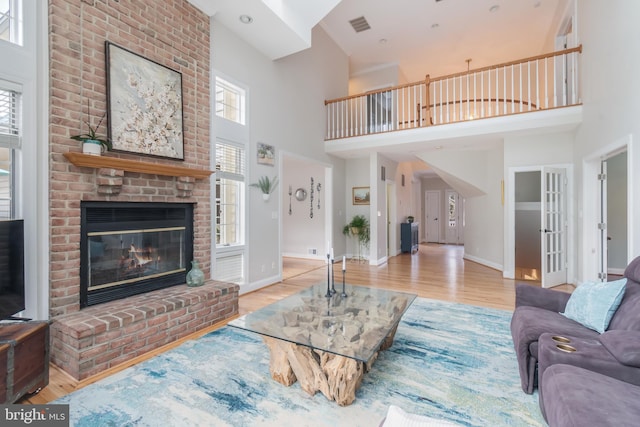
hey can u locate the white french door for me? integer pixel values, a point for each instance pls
(603, 266)
(554, 227)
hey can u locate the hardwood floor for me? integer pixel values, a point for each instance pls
(435, 271)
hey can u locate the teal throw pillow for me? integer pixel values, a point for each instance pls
(593, 304)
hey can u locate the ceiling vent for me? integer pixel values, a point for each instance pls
(360, 24)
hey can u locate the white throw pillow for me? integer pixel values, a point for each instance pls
(396, 417)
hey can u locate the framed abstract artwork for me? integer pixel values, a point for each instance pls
(144, 101)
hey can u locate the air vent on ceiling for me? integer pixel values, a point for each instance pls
(360, 24)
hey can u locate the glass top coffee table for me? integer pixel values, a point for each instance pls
(327, 343)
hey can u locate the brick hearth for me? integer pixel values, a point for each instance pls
(87, 342)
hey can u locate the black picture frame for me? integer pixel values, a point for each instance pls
(145, 105)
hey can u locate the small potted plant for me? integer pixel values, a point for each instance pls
(92, 143)
(266, 185)
(359, 228)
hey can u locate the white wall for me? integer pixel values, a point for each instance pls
(610, 33)
(378, 78)
(302, 232)
(484, 217)
(286, 110)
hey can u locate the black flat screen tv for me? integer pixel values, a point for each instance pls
(12, 299)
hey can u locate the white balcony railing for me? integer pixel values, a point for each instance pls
(532, 84)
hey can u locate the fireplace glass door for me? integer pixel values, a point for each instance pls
(121, 257)
(131, 248)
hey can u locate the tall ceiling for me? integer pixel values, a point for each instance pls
(434, 37)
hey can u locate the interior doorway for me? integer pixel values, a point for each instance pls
(539, 247)
(613, 207)
(528, 208)
(454, 229)
(432, 216)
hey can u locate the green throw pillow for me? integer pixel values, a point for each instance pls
(593, 304)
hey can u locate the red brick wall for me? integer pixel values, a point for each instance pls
(172, 33)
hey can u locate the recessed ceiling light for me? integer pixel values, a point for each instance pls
(494, 8)
(435, 25)
(246, 19)
(382, 41)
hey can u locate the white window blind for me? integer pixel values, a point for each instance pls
(230, 186)
(10, 137)
(10, 116)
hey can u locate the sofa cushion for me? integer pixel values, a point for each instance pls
(572, 396)
(623, 345)
(593, 304)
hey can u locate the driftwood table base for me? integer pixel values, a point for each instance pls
(337, 377)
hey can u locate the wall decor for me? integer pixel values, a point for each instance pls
(266, 154)
(144, 100)
(311, 198)
(361, 195)
(301, 194)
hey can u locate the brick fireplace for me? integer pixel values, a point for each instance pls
(88, 340)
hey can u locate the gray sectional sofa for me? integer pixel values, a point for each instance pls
(583, 377)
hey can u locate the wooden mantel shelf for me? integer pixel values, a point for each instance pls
(96, 162)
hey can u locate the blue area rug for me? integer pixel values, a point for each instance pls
(450, 361)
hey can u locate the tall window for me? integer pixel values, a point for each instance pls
(10, 135)
(11, 21)
(230, 189)
(229, 193)
(230, 101)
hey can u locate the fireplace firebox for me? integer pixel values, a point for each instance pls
(128, 248)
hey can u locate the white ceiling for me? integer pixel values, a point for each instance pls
(466, 29)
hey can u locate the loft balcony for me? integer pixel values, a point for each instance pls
(541, 92)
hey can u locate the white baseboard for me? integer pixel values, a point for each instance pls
(304, 256)
(484, 262)
(381, 261)
(250, 287)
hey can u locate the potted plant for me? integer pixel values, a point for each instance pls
(359, 228)
(266, 185)
(92, 143)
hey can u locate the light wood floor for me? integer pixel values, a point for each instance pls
(436, 272)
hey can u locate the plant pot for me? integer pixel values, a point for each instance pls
(266, 196)
(355, 231)
(92, 147)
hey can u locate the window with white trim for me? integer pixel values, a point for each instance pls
(11, 21)
(10, 139)
(230, 101)
(230, 196)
